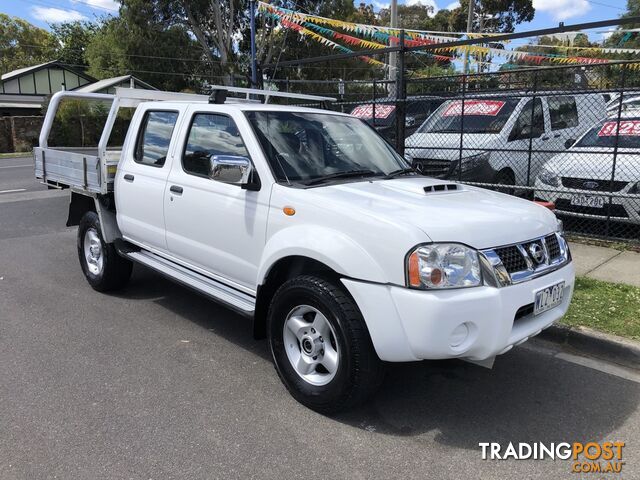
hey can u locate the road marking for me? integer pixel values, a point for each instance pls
(15, 190)
(16, 166)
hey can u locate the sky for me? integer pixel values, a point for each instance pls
(548, 12)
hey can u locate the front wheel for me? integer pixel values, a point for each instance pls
(103, 268)
(321, 346)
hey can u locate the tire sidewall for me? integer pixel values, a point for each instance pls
(88, 221)
(285, 300)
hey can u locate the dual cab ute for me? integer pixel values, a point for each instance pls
(308, 222)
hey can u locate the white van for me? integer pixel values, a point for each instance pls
(500, 138)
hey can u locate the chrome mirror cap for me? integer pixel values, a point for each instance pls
(230, 169)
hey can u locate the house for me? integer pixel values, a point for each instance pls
(24, 91)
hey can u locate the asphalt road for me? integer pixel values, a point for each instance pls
(157, 382)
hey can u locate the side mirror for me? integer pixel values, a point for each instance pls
(231, 169)
(569, 143)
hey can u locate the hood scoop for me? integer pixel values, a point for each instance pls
(442, 187)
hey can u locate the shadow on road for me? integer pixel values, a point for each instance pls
(526, 397)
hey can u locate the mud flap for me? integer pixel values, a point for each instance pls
(486, 363)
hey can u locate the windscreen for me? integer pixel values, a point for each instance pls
(604, 134)
(306, 146)
(486, 115)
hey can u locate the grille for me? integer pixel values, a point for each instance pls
(615, 210)
(512, 259)
(600, 185)
(433, 168)
(553, 247)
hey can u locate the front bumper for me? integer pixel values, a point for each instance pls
(409, 325)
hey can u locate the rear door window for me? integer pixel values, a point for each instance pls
(563, 112)
(154, 137)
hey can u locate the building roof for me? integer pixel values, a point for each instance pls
(34, 68)
(112, 82)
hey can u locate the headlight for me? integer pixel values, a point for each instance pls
(559, 226)
(443, 265)
(469, 163)
(547, 177)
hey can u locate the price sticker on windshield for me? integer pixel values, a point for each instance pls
(474, 107)
(366, 111)
(627, 127)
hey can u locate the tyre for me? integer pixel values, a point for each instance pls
(103, 268)
(321, 346)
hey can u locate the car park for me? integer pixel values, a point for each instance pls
(500, 138)
(307, 222)
(583, 182)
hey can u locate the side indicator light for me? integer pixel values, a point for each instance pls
(289, 211)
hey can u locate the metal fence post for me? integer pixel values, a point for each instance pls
(373, 105)
(616, 140)
(401, 97)
(461, 144)
(533, 112)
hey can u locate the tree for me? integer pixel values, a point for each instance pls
(72, 40)
(23, 44)
(166, 57)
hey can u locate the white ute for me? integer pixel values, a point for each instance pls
(306, 221)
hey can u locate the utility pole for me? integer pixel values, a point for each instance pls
(472, 7)
(254, 66)
(393, 56)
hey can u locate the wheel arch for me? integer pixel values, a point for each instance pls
(283, 269)
(104, 206)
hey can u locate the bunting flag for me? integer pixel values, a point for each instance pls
(378, 37)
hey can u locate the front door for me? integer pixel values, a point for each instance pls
(211, 225)
(527, 142)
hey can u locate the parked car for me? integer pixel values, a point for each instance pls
(418, 109)
(579, 181)
(630, 105)
(310, 224)
(498, 138)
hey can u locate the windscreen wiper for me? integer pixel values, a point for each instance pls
(346, 174)
(401, 171)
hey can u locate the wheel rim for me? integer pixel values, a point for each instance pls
(93, 251)
(311, 345)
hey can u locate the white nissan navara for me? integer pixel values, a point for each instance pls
(308, 222)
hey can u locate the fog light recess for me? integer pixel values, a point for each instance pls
(459, 335)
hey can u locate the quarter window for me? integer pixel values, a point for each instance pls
(563, 112)
(154, 138)
(211, 134)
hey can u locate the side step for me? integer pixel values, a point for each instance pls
(239, 301)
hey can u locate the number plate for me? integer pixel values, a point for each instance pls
(547, 298)
(594, 201)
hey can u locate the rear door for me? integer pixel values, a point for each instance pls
(143, 174)
(564, 121)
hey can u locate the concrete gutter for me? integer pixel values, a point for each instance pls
(592, 343)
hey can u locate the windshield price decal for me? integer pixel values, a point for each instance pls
(474, 107)
(366, 111)
(627, 127)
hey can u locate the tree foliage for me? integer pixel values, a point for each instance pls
(23, 44)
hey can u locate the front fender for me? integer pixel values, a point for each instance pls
(331, 247)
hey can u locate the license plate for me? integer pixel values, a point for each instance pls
(594, 201)
(547, 298)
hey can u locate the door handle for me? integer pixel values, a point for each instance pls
(545, 138)
(557, 135)
(128, 177)
(176, 189)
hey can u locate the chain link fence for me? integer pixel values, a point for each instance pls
(568, 135)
